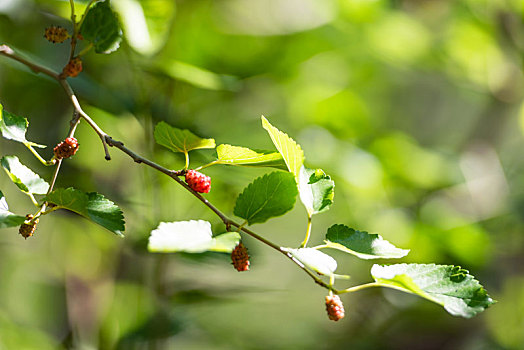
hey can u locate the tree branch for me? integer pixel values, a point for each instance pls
(8, 52)
(107, 140)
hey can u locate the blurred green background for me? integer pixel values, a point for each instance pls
(413, 107)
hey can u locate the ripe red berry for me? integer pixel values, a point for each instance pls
(240, 258)
(72, 68)
(56, 34)
(66, 148)
(198, 181)
(27, 229)
(334, 307)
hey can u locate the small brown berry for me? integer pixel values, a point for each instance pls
(56, 34)
(66, 148)
(240, 258)
(334, 307)
(27, 229)
(72, 68)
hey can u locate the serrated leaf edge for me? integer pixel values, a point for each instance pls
(248, 187)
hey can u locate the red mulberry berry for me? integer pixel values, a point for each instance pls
(198, 181)
(240, 258)
(334, 307)
(27, 229)
(66, 148)
(56, 34)
(72, 68)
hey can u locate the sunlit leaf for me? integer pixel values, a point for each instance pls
(180, 140)
(193, 236)
(268, 196)
(8, 219)
(23, 177)
(290, 150)
(362, 244)
(92, 206)
(198, 76)
(314, 259)
(14, 128)
(450, 286)
(225, 242)
(102, 28)
(146, 23)
(235, 155)
(316, 190)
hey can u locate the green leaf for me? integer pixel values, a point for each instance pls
(197, 76)
(101, 28)
(146, 23)
(193, 236)
(268, 196)
(8, 219)
(235, 155)
(225, 243)
(316, 190)
(14, 128)
(178, 140)
(290, 150)
(362, 244)
(450, 286)
(314, 259)
(92, 206)
(26, 180)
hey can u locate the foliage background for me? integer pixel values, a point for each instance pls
(413, 107)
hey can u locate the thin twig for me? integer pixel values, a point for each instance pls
(55, 175)
(308, 231)
(75, 31)
(228, 222)
(8, 52)
(70, 93)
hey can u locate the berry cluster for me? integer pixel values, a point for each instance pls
(56, 34)
(198, 181)
(334, 307)
(27, 229)
(66, 148)
(72, 68)
(240, 258)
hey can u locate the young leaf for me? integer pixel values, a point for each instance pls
(101, 28)
(8, 219)
(235, 155)
(450, 286)
(26, 180)
(178, 140)
(316, 190)
(314, 259)
(290, 150)
(225, 242)
(362, 244)
(193, 236)
(14, 128)
(92, 206)
(268, 196)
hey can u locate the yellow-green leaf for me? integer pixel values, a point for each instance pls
(288, 148)
(180, 140)
(235, 155)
